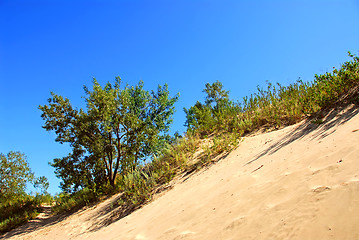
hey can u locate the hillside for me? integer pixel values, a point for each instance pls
(300, 182)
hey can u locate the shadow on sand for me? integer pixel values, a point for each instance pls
(43, 220)
(324, 125)
(112, 211)
(115, 212)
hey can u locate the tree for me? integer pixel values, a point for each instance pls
(120, 128)
(199, 116)
(15, 174)
(216, 94)
(205, 117)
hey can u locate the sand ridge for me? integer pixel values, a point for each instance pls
(300, 182)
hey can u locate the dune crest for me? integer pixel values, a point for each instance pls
(300, 182)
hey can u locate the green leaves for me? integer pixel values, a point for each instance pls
(215, 115)
(275, 105)
(15, 173)
(16, 206)
(120, 127)
(215, 93)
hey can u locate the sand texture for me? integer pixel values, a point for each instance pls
(300, 182)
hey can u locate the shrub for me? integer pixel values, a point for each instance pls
(18, 211)
(65, 202)
(137, 187)
(273, 106)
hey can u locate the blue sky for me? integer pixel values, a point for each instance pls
(60, 46)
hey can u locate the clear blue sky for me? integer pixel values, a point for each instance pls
(60, 45)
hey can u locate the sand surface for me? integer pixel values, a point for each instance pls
(301, 182)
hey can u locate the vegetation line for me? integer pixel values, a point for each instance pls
(123, 127)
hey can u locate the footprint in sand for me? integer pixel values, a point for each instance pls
(321, 189)
(303, 212)
(235, 224)
(173, 234)
(184, 235)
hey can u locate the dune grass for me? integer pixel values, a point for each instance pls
(272, 107)
(19, 210)
(223, 124)
(276, 106)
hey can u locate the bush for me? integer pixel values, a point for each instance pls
(137, 187)
(223, 122)
(65, 202)
(274, 106)
(18, 211)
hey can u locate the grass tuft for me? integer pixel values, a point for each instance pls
(222, 123)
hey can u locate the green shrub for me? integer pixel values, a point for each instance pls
(65, 202)
(18, 211)
(137, 187)
(224, 122)
(275, 105)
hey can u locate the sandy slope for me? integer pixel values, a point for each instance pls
(301, 182)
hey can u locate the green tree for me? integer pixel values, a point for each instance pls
(216, 94)
(120, 128)
(15, 174)
(210, 116)
(199, 117)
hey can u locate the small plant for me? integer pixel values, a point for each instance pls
(224, 122)
(18, 211)
(137, 187)
(16, 205)
(317, 121)
(274, 106)
(66, 202)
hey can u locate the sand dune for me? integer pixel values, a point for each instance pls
(300, 182)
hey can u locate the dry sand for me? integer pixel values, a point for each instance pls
(301, 182)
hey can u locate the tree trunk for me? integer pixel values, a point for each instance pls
(112, 182)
